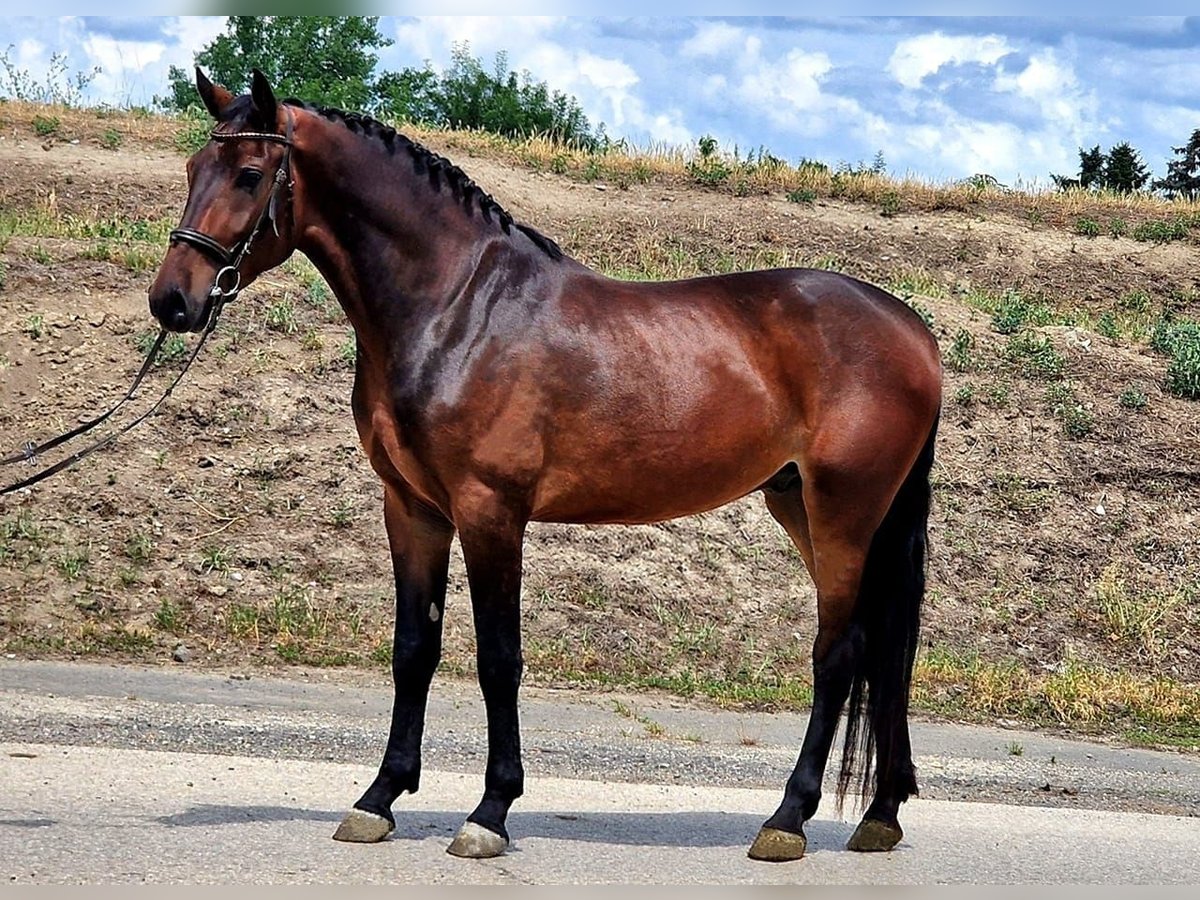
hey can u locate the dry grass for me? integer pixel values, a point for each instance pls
(625, 165)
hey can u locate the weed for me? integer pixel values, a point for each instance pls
(138, 547)
(1133, 398)
(1183, 372)
(342, 515)
(1117, 227)
(41, 255)
(281, 316)
(1136, 618)
(3, 273)
(173, 349)
(140, 259)
(1179, 339)
(1087, 227)
(961, 355)
(1106, 325)
(708, 168)
(168, 617)
(311, 340)
(925, 313)
(965, 394)
(35, 326)
(1076, 419)
(111, 139)
(44, 126)
(1017, 495)
(348, 351)
(196, 125)
(1035, 355)
(71, 563)
(998, 394)
(890, 205)
(801, 195)
(1134, 301)
(214, 559)
(1015, 749)
(913, 281)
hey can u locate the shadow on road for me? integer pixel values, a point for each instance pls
(681, 829)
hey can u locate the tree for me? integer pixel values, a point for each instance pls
(1091, 167)
(1124, 171)
(468, 96)
(1183, 174)
(325, 59)
(1120, 169)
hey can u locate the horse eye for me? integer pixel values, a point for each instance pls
(249, 179)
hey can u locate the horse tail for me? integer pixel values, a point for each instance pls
(888, 615)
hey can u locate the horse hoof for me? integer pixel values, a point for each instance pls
(873, 836)
(775, 845)
(473, 841)
(362, 827)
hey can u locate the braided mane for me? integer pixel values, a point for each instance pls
(437, 168)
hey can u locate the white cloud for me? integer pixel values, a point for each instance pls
(1056, 91)
(916, 58)
(790, 93)
(712, 39)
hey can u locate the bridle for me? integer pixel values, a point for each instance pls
(227, 284)
(230, 259)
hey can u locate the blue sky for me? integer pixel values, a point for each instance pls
(942, 97)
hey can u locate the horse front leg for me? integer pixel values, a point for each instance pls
(491, 538)
(420, 544)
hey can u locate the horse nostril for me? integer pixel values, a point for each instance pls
(175, 315)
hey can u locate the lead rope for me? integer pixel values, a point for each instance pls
(30, 452)
(218, 296)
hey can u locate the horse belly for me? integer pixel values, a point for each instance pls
(620, 476)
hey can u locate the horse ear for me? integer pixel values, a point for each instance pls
(215, 97)
(263, 97)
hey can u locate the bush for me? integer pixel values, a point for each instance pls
(1183, 373)
(1087, 227)
(801, 195)
(1014, 311)
(1161, 231)
(961, 355)
(1035, 355)
(1180, 340)
(1133, 398)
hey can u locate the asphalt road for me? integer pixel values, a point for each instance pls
(112, 774)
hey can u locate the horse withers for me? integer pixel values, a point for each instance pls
(499, 382)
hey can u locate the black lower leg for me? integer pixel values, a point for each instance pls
(493, 561)
(832, 677)
(420, 556)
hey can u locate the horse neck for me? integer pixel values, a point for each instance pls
(394, 249)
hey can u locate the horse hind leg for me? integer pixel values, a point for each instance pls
(834, 548)
(863, 540)
(891, 595)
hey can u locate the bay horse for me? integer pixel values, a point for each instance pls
(500, 382)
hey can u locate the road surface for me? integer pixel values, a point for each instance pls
(117, 774)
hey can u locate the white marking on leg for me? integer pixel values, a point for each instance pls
(434, 612)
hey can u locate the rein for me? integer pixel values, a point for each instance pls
(227, 284)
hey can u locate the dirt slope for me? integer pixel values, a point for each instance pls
(244, 521)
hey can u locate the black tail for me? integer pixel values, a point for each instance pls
(888, 615)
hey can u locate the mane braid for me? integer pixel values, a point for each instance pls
(435, 167)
